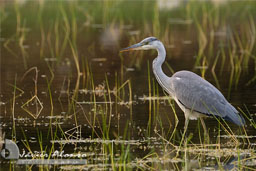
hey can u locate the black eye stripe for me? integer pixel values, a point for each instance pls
(146, 42)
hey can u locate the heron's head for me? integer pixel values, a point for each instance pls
(148, 43)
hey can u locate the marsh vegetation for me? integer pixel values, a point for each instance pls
(66, 88)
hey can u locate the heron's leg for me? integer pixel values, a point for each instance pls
(186, 125)
(185, 129)
(183, 135)
(205, 129)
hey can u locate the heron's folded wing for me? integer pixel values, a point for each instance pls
(199, 95)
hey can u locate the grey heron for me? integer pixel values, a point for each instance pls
(196, 97)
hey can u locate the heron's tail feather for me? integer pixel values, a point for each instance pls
(233, 115)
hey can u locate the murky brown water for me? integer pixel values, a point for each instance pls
(110, 103)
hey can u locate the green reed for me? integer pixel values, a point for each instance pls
(13, 111)
(66, 29)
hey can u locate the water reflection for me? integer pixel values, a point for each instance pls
(110, 37)
(108, 106)
(169, 5)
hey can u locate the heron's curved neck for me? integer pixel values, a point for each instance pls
(161, 77)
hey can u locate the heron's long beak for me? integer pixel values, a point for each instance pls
(133, 47)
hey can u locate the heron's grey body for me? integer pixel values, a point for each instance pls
(195, 96)
(201, 98)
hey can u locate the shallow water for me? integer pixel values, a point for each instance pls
(113, 110)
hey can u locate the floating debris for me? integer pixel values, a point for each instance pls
(130, 69)
(32, 140)
(99, 59)
(145, 98)
(50, 59)
(187, 42)
(105, 102)
(98, 140)
(55, 117)
(2, 103)
(237, 136)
